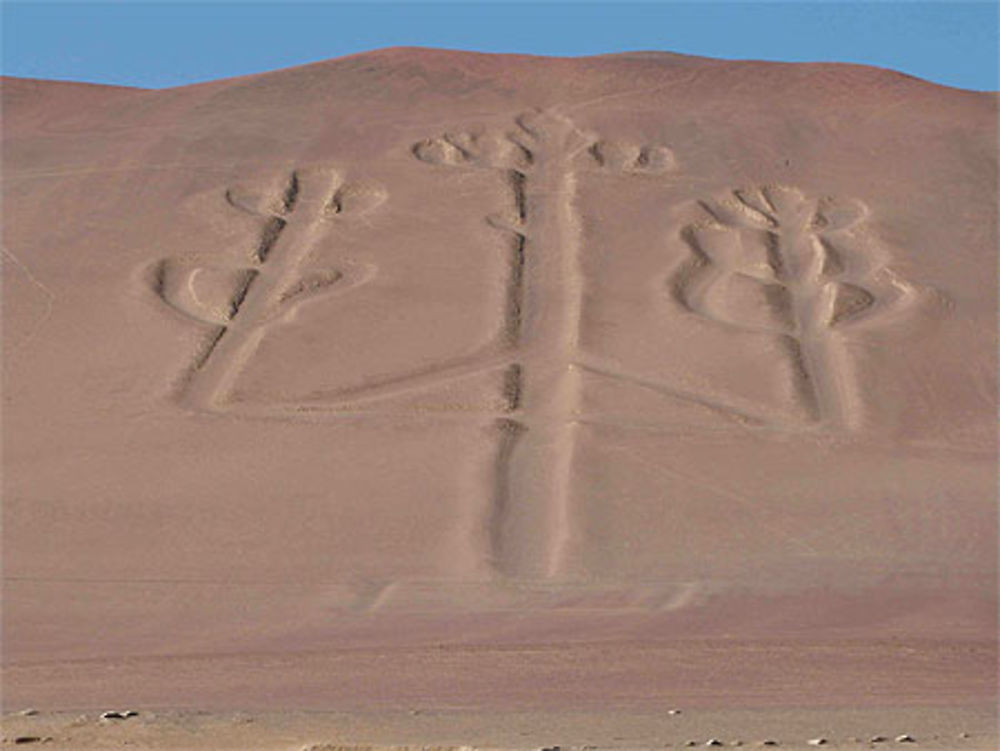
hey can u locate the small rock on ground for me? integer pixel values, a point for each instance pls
(115, 715)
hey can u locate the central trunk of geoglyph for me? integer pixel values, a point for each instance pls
(532, 525)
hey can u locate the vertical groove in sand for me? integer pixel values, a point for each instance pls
(823, 386)
(509, 431)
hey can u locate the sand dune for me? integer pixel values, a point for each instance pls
(455, 379)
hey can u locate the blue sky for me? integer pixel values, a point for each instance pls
(169, 44)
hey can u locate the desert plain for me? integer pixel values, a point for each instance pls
(434, 398)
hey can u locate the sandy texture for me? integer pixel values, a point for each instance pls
(969, 729)
(501, 383)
